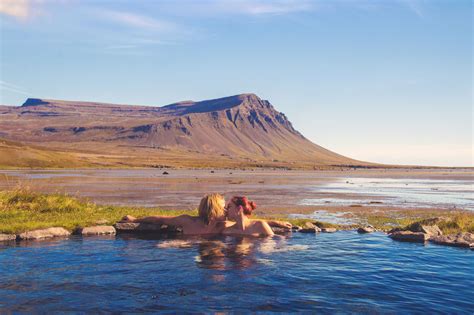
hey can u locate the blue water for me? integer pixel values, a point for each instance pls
(343, 272)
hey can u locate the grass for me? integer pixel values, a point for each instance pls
(449, 222)
(23, 210)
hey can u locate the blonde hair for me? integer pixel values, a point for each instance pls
(211, 207)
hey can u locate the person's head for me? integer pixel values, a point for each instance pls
(240, 203)
(211, 208)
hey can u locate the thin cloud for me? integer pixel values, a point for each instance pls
(219, 8)
(138, 21)
(268, 7)
(414, 6)
(5, 86)
(17, 8)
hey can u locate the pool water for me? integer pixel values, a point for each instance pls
(340, 272)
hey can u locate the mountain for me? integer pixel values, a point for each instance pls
(231, 131)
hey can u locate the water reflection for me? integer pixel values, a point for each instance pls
(342, 272)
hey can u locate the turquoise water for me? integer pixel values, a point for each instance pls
(340, 272)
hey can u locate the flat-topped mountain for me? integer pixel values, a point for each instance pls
(237, 129)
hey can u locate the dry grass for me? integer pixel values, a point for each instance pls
(22, 210)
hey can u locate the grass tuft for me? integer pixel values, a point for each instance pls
(22, 210)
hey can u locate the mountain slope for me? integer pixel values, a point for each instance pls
(241, 127)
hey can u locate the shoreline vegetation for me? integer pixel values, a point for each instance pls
(22, 210)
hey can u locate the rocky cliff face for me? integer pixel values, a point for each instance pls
(241, 126)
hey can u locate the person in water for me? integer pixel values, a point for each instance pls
(239, 210)
(210, 220)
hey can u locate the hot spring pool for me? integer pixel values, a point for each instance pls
(344, 272)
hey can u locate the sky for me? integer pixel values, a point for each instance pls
(380, 81)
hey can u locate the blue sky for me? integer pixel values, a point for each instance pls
(383, 81)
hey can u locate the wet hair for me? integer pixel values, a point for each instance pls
(211, 207)
(247, 205)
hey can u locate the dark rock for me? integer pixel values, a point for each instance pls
(44, 233)
(279, 230)
(165, 173)
(310, 230)
(458, 240)
(397, 229)
(409, 236)
(366, 229)
(329, 230)
(431, 230)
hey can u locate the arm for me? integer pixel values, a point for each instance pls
(278, 224)
(265, 229)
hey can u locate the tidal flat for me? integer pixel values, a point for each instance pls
(351, 196)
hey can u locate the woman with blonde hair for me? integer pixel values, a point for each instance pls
(210, 219)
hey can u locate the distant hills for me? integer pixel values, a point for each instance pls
(235, 131)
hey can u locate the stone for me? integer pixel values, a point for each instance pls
(280, 230)
(309, 225)
(98, 230)
(329, 230)
(409, 236)
(7, 237)
(458, 240)
(296, 228)
(310, 230)
(44, 233)
(365, 229)
(431, 230)
(145, 227)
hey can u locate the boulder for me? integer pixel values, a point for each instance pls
(145, 227)
(310, 230)
(7, 237)
(458, 240)
(309, 225)
(44, 233)
(431, 230)
(329, 230)
(366, 229)
(98, 230)
(409, 236)
(280, 230)
(296, 228)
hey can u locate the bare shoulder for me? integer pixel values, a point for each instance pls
(262, 228)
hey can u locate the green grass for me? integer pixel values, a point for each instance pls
(22, 210)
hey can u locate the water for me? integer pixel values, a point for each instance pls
(182, 189)
(341, 272)
(397, 192)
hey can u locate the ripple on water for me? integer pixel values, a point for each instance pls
(341, 272)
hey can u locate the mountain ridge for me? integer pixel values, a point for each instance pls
(241, 127)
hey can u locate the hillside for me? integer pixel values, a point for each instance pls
(236, 130)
